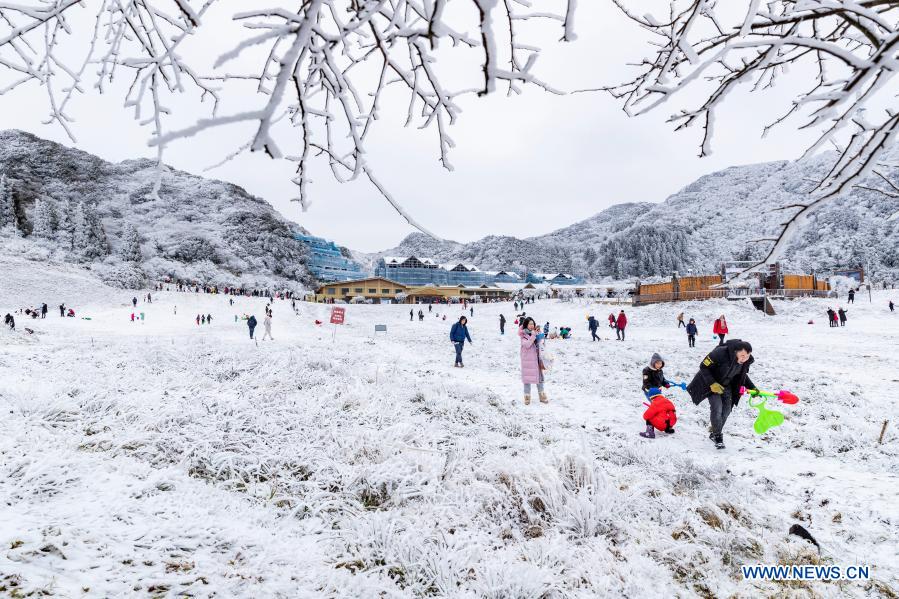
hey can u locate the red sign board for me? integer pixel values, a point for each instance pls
(337, 315)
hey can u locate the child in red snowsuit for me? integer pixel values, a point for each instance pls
(659, 415)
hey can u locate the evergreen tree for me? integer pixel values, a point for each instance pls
(65, 232)
(130, 244)
(43, 225)
(7, 204)
(90, 238)
(81, 236)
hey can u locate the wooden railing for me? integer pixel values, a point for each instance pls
(685, 296)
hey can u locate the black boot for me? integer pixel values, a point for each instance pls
(719, 441)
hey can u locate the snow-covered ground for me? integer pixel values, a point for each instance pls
(163, 458)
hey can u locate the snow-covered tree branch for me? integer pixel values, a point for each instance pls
(319, 71)
(848, 48)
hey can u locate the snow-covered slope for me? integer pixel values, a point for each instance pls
(163, 458)
(197, 229)
(711, 220)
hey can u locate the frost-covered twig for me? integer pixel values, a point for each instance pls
(324, 63)
(851, 45)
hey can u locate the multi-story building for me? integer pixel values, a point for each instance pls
(554, 278)
(327, 263)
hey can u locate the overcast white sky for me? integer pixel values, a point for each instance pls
(525, 165)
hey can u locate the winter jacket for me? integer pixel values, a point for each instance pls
(691, 328)
(652, 377)
(720, 328)
(459, 333)
(622, 321)
(721, 367)
(531, 373)
(593, 324)
(251, 322)
(267, 322)
(842, 314)
(661, 413)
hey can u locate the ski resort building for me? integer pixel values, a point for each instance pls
(758, 287)
(554, 278)
(326, 261)
(380, 290)
(376, 289)
(412, 270)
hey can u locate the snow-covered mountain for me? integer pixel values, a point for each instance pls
(713, 219)
(74, 206)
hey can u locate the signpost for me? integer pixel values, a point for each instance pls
(337, 315)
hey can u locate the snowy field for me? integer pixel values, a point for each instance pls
(165, 459)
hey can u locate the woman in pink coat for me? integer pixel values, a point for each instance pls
(531, 363)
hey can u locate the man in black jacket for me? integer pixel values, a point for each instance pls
(721, 375)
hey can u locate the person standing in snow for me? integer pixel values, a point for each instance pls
(611, 321)
(175, 308)
(831, 317)
(411, 314)
(692, 332)
(149, 298)
(620, 325)
(134, 301)
(720, 378)
(267, 323)
(472, 311)
(720, 329)
(44, 310)
(430, 307)
(892, 306)
(531, 362)
(132, 317)
(852, 296)
(680, 320)
(198, 320)
(421, 315)
(251, 324)
(546, 329)
(593, 324)
(458, 335)
(9, 321)
(653, 375)
(842, 314)
(62, 310)
(502, 324)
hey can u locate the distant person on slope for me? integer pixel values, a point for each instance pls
(531, 362)
(251, 324)
(593, 324)
(458, 335)
(680, 320)
(62, 310)
(611, 321)
(267, 324)
(411, 314)
(9, 321)
(892, 306)
(134, 301)
(720, 377)
(692, 331)
(502, 324)
(842, 313)
(620, 325)
(44, 310)
(852, 296)
(720, 329)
